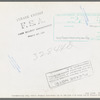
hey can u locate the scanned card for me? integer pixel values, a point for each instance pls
(50, 49)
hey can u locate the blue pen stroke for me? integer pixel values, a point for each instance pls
(14, 64)
(85, 16)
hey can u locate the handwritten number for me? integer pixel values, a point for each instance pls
(56, 48)
(69, 46)
(49, 51)
(41, 53)
(35, 56)
(62, 47)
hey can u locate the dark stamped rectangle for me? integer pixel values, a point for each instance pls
(69, 74)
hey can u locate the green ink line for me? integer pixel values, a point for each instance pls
(53, 26)
(68, 26)
(71, 40)
(79, 14)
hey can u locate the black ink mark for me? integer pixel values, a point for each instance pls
(43, 27)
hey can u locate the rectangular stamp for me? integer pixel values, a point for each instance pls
(32, 25)
(69, 74)
(78, 27)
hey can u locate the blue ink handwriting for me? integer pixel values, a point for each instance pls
(85, 16)
(13, 63)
